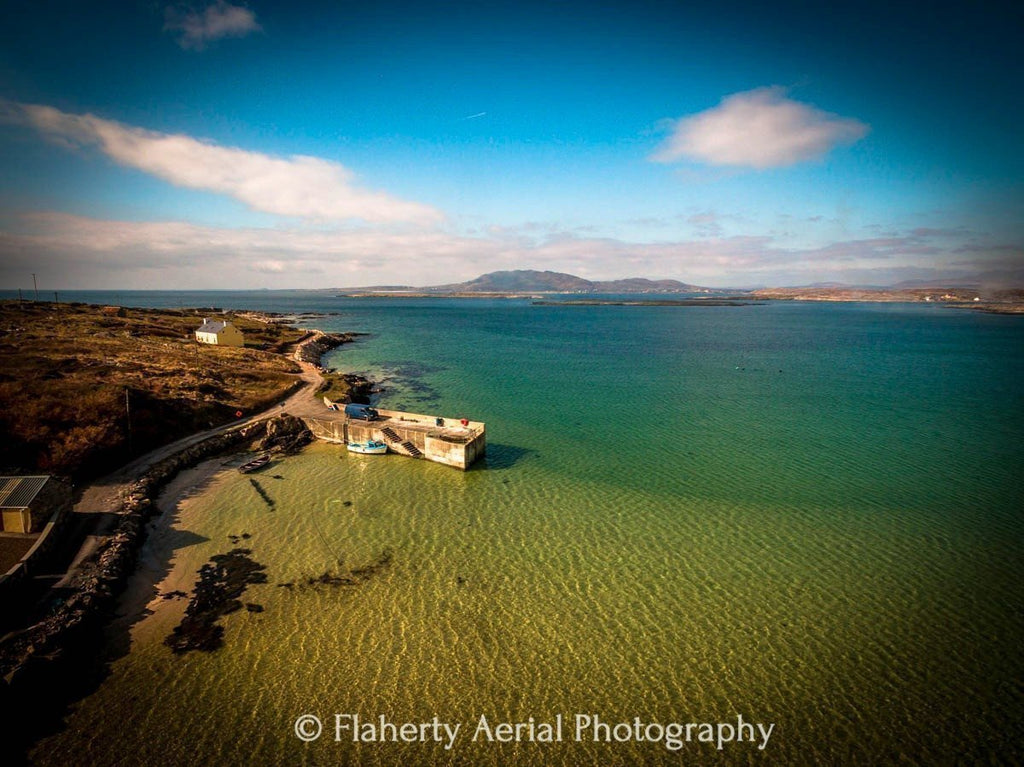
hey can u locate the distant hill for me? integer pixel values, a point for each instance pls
(533, 281)
(517, 281)
(527, 281)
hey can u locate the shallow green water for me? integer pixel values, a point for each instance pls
(806, 515)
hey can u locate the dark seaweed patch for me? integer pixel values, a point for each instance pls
(222, 581)
(408, 378)
(353, 577)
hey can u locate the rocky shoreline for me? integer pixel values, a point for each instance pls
(43, 667)
(317, 343)
(342, 387)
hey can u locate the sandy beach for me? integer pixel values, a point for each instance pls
(156, 594)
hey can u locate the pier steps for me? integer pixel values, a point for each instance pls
(395, 441)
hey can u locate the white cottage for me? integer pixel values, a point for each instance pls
(221, 333)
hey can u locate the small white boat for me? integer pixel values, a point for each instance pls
(372, 447)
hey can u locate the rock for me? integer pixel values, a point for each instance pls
(286, 433)
(312, 350)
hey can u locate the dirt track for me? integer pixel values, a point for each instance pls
(103, 496)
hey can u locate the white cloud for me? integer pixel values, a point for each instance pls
(197, 28)
(307, 187)
(68, 251)
(758, 129)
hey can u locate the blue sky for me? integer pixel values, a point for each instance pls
(290, 145)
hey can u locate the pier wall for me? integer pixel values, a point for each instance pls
(328, 429)
(411, 434)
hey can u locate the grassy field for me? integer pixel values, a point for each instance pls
(82, 390)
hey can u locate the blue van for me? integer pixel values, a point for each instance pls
(361, 412)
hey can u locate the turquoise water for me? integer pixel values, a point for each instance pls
(808, 515)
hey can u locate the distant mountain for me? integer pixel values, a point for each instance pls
(532, 281)
(516, 281)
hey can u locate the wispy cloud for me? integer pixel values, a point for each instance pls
(196, 28)
(761, 128)
(706, 224)
(307, 187)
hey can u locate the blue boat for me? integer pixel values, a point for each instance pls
(371, 447)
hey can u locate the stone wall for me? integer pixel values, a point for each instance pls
(31, 654)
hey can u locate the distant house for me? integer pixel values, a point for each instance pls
(219, 333)
(27, 503)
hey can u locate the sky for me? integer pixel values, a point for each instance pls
(221, 144)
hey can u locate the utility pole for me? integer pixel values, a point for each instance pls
(55, 299)
(35, 287)
(128, 416)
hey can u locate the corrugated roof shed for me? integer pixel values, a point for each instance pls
(18, 492)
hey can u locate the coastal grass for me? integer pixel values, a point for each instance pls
(85, 387)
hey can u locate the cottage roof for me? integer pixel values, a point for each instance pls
(19, 492)
(212, 326)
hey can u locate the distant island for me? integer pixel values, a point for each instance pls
(1009, 301)
(531, 283)
(526, 282)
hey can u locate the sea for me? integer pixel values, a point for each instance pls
(694, 525)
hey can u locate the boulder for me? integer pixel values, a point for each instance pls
(285, 433)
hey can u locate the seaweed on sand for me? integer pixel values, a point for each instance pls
(222, 581)
(353, 577)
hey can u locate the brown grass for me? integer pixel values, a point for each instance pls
(65, 370)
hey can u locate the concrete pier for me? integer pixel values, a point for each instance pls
(434, 438)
